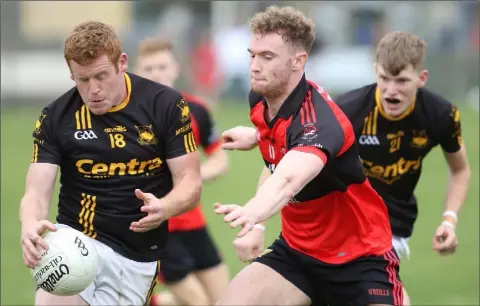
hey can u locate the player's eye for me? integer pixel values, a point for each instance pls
(148, 68)
(101, 76)
(83, 80)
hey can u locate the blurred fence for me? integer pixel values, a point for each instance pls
(32, 35)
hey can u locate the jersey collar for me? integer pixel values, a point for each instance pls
(294, 100)
(127, 99)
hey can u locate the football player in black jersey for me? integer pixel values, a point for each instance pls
(397, 123)
(192, 268)
(128, 162)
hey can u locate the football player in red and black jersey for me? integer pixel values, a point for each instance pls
(335, 245)
(397, 122)
(193, 269)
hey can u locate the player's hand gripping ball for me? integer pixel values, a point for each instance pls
(70, 264)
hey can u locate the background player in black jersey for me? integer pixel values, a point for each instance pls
(397, 123)
(128, 162)
(192, 268)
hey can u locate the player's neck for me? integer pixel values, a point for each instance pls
(124, 92)
(276, 100)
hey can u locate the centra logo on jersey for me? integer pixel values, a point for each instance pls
(145, 135)
(91, 169)
(391, 173)
(369, 140)
(84, 135)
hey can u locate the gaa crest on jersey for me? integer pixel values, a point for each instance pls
(146, 135)
(419, 139)
(38, 123)
(184, 110)
(310, 131)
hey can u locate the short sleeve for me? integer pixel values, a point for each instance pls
(45, 144)
(321, 128)
(178, 136)
(209, 136)
(451, 130)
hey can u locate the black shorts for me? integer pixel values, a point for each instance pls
(187, 252)
(362, 281)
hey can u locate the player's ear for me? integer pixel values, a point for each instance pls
(122, 62)
(300, 61)
(375, 68)
(71, 76)
(423, 78)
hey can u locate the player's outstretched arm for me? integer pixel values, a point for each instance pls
(187, 184)
(295, 170)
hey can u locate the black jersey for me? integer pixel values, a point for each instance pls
(103, 159)
(392, 149)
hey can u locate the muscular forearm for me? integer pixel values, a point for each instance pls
(457, 188)
(183, 197)
(33, 207)
(271, 197)
(263, 177)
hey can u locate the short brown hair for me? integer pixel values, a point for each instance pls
(287, 21)
(396, 50)
(152, 45)
(90, 40)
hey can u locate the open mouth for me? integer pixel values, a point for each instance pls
(392, 101)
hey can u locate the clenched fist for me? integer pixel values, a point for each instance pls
(250, 246)
(445, 240)
(239, 138)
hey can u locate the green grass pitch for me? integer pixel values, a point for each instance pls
(430, 279)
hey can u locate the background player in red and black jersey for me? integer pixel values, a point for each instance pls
(192, 269)
(397, 123)
(128, 163)
(335, 246)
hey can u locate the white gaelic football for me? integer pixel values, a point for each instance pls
(70, 264)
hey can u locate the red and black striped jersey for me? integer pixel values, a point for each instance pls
(337, 216)
(207, 137)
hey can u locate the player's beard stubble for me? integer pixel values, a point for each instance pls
(276, 83)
